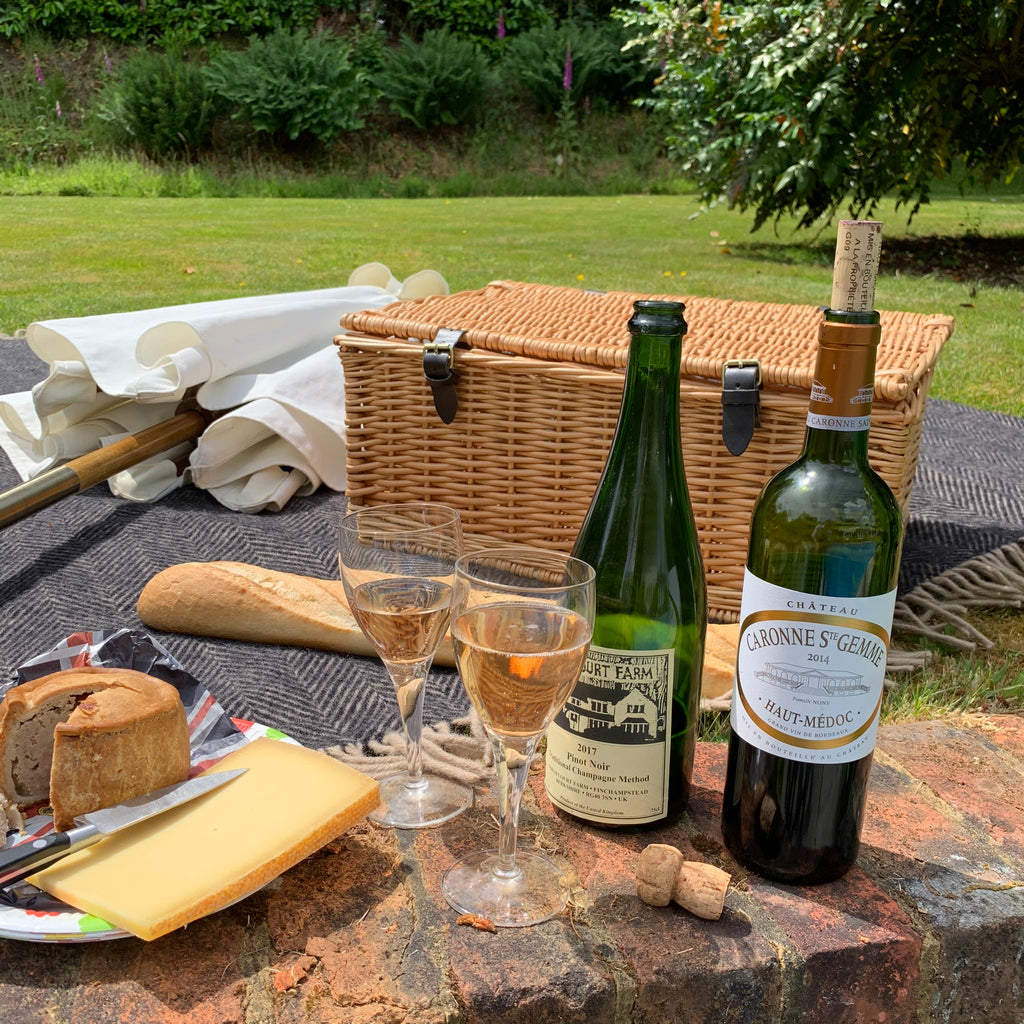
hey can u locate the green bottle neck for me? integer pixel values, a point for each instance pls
(836, 446)
(641, 497)
(650, 399)
(845, 316)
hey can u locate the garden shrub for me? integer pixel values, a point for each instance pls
(161, 102)
(293, 86)
(33, 116)
(441, 80)
(600, 67)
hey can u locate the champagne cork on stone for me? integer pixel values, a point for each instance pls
(663, 876)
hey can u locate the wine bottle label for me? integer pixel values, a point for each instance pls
(608, 748)
(809, 672)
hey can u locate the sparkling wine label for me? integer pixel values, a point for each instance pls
(809, 672)
(608, 748)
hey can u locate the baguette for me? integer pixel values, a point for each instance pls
(237, 601)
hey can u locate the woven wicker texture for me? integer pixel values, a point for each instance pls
(540, 385)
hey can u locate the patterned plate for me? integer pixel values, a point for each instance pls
(49, 920)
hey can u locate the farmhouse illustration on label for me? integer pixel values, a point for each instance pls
(614, 713)
(813, 680)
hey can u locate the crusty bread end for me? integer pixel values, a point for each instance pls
(238, 601)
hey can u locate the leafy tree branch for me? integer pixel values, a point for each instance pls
(803, 107)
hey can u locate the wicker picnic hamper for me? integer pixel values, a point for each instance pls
(539, 383)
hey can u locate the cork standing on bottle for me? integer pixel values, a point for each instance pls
(620, 753)
(816, 613)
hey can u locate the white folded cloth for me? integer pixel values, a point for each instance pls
(269, 360)
(417, 286)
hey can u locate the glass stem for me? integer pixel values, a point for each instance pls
(409, 689)
(512, 767)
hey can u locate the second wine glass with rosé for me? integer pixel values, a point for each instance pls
(522, 620)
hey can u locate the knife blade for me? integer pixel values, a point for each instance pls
(18, 862)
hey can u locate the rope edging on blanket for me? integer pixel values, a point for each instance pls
(937, 609)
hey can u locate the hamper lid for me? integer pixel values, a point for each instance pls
(557, 323)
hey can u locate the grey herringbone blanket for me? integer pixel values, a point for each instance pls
(81, 564)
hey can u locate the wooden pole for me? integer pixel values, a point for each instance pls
(88, 470)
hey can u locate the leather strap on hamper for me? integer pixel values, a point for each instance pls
(741, 403)
(437, 369)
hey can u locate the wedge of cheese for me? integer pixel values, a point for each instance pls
(198, 858)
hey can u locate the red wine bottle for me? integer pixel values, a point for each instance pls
(818, 596)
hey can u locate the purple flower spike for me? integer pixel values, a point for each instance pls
(39, 72)
(567, 77)
(501, 24)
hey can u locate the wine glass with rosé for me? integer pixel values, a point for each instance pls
(397, 563)
(521, 626)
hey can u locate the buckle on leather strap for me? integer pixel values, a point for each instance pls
(438, 360)
(741, 402)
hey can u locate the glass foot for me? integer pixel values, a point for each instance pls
(535, 892)
(428, 801)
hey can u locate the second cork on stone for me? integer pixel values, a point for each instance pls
(664, 876)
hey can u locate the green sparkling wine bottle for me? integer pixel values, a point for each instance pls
(620, 752)
(818, 596)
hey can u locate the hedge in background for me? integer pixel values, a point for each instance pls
(162, 103)
(152, 20)
(477, 19)
(600, 68)
(441, 80)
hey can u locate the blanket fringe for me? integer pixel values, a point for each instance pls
(937, 609)
(458, 750)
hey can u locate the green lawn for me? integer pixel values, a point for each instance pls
(73, 256)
